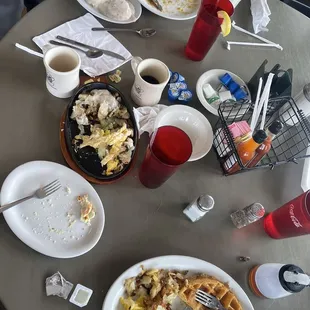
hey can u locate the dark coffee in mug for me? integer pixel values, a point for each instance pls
(150, 79)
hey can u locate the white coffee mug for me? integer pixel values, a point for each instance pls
(151, 77)
(62, 66)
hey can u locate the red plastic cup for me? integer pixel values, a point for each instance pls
(291, 220)
(169, 148)
(207, 27)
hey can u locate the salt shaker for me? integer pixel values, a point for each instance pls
(248, 215)
(199, 207)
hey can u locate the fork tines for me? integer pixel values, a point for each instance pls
(203, 297)
(51, 187)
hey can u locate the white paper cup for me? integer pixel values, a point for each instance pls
(62, 66)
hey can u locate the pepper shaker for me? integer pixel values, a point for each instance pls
(199, 207)
(248, 215)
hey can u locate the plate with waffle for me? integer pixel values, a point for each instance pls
(170, 283)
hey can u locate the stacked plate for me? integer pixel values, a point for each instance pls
(193, 123)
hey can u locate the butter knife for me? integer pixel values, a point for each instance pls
(157, 5)
(106, 52)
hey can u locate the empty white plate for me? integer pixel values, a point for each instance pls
(52, 225)
(193, 123)
(92, 10)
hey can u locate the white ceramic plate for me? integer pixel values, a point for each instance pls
(173, 262)
(212, 77)
(193, 123)
(43, 224)
(92, 10)
(176, 9)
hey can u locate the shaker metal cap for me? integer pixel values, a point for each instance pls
(205, 202)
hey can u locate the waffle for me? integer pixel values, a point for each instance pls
(211, 286)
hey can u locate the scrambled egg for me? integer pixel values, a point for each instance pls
(87, 209)
(108, 144)
(129, 304)
(110, 131)
(153, 289)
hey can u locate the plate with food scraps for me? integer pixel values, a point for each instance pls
(114, 11)
(53, 226)
(101, 132)
(170, 282)
(176, 10)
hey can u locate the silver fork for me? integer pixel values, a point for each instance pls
(208, 300)
(40, 193)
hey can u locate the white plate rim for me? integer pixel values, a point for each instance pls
(155, 262)
(93, 11)
(159, 13)
(8, 218)
(200, 116)
(215, 72)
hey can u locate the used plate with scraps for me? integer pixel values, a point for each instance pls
(52, 226)
(177, 263)
(177, 9)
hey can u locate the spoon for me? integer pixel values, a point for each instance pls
(144, 33)
(89, 53)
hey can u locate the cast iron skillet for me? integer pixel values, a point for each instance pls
(86, 158)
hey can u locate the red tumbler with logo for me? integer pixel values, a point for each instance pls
(291, 220)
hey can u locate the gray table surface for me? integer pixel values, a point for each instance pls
(143, 223)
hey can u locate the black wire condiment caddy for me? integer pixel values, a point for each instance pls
(290, 145)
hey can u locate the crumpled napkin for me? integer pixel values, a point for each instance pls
(80, 30)
(145, 117)
(260, 13)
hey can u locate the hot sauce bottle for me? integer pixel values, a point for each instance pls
(265, 147)
(246, 151)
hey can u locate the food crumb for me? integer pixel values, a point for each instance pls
(68, 190)
(88, 81)
(71, 223)
(244, 258)
(87, 209)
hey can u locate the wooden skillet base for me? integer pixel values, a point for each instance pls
(66, 154)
